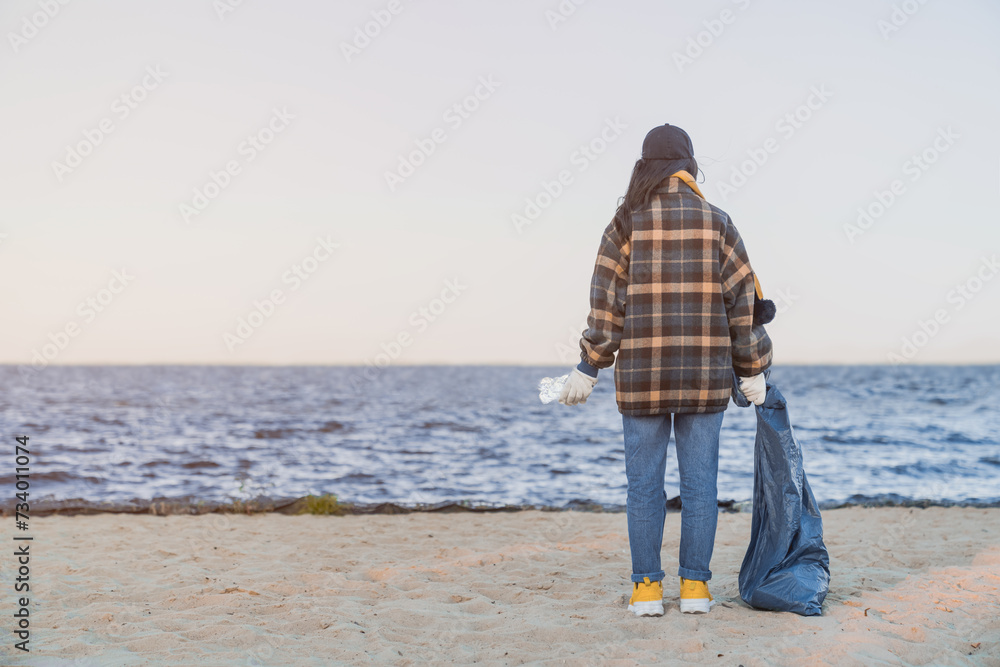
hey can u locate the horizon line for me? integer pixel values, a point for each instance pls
(451, 364)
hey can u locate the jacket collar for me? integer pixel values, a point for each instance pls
(677, 182)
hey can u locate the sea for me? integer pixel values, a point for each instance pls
(419, 437)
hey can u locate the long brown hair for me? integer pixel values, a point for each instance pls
(647, 175)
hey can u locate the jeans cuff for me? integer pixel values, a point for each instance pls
(694, 575)
(653, 576)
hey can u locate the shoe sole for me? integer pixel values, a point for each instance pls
(651, 608)
(697, 606)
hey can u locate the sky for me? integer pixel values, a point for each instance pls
(400, 182)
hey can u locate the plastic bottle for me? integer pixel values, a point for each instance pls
(550, 388)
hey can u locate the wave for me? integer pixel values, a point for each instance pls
(289, 432)
(299, 505)
(452, 426)
(8, 481)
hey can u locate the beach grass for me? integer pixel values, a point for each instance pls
(326, 504)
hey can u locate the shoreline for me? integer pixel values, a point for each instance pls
(331, 505)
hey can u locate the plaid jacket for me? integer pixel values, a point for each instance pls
(675, 300)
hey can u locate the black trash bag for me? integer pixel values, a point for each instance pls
(786, 567)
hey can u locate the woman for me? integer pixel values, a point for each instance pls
(674, 295)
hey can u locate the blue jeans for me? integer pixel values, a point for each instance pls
(697, 445)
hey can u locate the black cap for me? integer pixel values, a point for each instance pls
(667, 142)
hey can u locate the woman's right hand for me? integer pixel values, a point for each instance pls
(577, 388)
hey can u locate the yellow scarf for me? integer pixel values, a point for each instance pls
(689, 179)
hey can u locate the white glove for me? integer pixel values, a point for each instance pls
(754, 388)
(577, 388)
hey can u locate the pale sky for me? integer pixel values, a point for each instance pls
(114, 113)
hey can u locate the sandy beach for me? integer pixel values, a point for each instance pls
(909, 586)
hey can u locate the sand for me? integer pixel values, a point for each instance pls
(909, 586)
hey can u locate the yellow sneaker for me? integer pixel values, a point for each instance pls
(647, 598)
(695, 598)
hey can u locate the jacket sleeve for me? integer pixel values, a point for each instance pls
(608, 288)
(751, 346)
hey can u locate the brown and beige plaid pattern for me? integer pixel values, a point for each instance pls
(675, 300)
